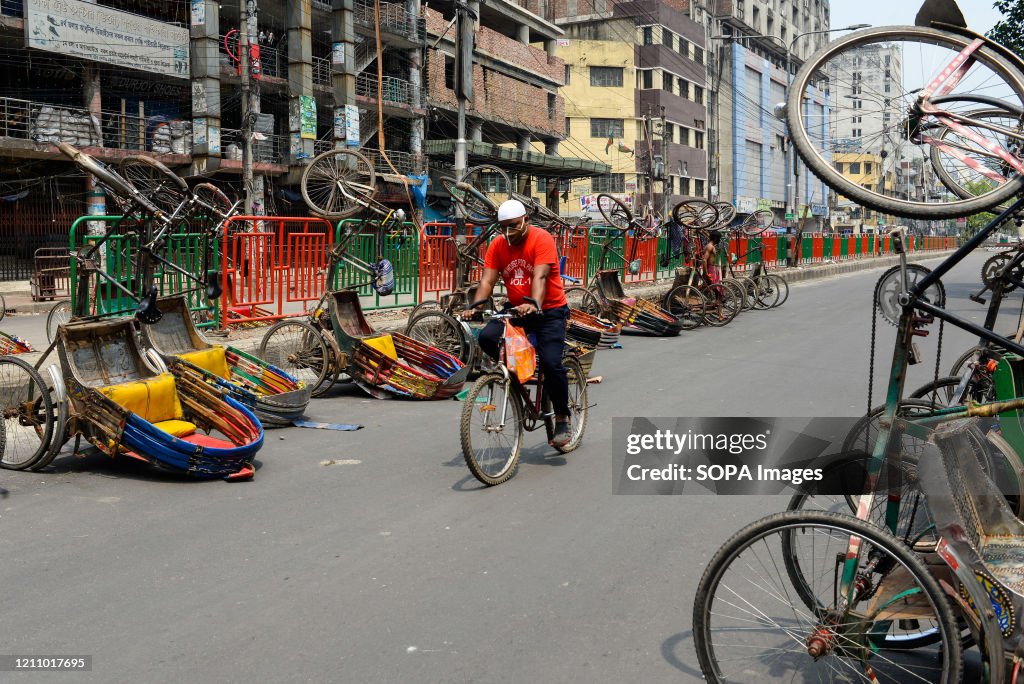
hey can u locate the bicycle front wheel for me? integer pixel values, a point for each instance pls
(883, 139)
(688, 305)
(58, 316)
(163, 187)
(338, 184)
(749, 624)
(491, 429)
(779, 283)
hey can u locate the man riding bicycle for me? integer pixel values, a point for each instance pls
(527, 261)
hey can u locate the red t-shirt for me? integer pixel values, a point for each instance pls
(515, 263)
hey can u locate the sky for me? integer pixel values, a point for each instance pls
(980, 14)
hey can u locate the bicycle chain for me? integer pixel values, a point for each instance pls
(938, 353)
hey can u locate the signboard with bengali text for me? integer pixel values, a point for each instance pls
(100, 34)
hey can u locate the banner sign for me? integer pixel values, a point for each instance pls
(100, 34)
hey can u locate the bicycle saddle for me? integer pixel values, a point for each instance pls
(941, 11)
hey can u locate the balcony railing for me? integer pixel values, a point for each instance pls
(406, 163)
(272, 149)
(48, 123)
(394, 91)
(393, 18)
(273, 62)
(322, 72)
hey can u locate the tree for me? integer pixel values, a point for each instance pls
(1010, 29)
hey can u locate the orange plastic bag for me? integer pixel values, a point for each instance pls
(519, 353)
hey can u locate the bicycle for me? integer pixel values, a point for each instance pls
(501, 408)
(309, 349)
(963, 117)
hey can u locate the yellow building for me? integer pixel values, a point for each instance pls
(864, 170)
(649, 59)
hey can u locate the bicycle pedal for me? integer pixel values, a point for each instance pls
(914, 355)
(977, 298)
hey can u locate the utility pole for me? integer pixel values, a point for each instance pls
(665, 189)
(466, 16)
(247, 109)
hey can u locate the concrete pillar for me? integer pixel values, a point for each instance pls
(343, 74)
(95, 199)
(551, 147)
(300, 77)
(476, 130)
(417, 126)
(523, 34)
(524, 142)
(551, 47)
(205, 58)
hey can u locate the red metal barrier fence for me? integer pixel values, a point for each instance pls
(272, 266)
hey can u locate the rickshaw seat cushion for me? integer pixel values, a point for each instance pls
(153, 399)
(385, 344)
(212, 359)
(176, 428)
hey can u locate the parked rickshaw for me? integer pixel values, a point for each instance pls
(274, 396)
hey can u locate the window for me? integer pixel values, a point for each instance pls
(887, 88)
(647, 79)
(854, 168)
(667, 82)
(698, 55)
(567, 130)
(613, 182)
(551, 105)
(684, 186)
(541, 185)
(671, 185)
(606, 128)
(698, 139)
(648, 35)
(606, 77)
(698, 187)
(887, 117)
(684, 89)
(568, 73)
(666, 37)
(856, 132)
(838, 166)
(867, 167)
(683, 47)
(886, 60)
(757, 17)
(670, 132)
(684, 136)
(449, 72)
(698, 94)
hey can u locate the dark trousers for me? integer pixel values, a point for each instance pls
(549, 329)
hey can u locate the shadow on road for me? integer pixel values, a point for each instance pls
(670, 651)
(541, 454)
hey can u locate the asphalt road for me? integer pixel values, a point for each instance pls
(373, 556)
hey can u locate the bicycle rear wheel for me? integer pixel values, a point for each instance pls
(688, 305)
(213, 201)
(491, 430)
(614, 212)
(27, 415)
(299, 349)
(339, 184)
(749, 625)
(477, 207)
(891, 131)
(696, 214)
(726, 213)
(163, 187)
(578, 405)
(779, 283)
(491, 181)
(438, 329)
(757, 222)
(58, 316)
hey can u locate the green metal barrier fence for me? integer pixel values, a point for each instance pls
(117, 259)
(403, 252)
